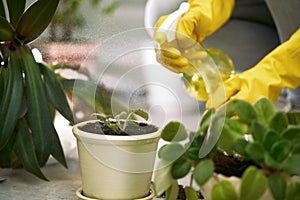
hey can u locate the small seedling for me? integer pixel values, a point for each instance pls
(114, 122)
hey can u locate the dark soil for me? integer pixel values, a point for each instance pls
(99, 127)
(231, 165)
(182, 196)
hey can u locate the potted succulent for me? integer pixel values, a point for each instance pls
(252, 152)
(30, 92)
(116, 157)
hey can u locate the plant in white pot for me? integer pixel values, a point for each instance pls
(255, 154)
(116, 157)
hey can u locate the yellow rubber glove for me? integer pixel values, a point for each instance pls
(203, 18)
(279, 69)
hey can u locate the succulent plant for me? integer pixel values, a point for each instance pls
(254, 142)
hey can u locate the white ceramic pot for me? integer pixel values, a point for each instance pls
(116, 167)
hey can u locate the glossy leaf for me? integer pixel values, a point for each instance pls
(55, 93)
(206, 119)
(6, 30)
(291, 165)
(253, 185)
(265, 110)
(255, 151)
(193, 153)
(203, 171)
(271, 162)
(292, 134)
(279, 122)
(212, 136)
(293, 117)
(35, 20)
(172, 191)
(293, 191)
(162, 177)
(269, 139)
(16, 9)
(231, 131)
(10, 105)
(56, 149)
(141, 113)
(281, 150)
(224, 191)
(181, 168)
(258, 131)
(174, 131)
(2, 10)
(191, 193)
(244, 110)
(277, 185)
(24, 149)
(240, 147)
(171, 152)
(38, 115)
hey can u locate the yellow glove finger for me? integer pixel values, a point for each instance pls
(171, 59)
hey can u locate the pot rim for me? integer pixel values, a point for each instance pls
(87, 135)
(80, 195)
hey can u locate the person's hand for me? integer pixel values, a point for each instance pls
(279, 69)
(202, 19)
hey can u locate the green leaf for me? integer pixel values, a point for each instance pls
(269, 139)
(265, 110)
(277, 185)
(38, 114)
(258, 131)
(56, 149)
(16, 9)
(142, 114)
(293, 191)
(271, 162)
(240, 147)
(162, 177)
(11, 103)
(203, 171)
(244, 110)
(55, 94)
(231, 131)
(6, 31)
(279, 122)
(193, 153)
(213, 135)
(253, 185)
(281, 150)
(191, 193)
(24, 149)
(291, 165)
(206, 119)
(256, 152)
(171, 152)
(181, 168)
(293, 117)
(292, 133)
(35, 20)
(224, 191)
(2, 10)
(172, 191)
(174, 131)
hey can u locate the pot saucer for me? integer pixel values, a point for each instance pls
(80, 195)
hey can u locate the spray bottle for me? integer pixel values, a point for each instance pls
(207, 68)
